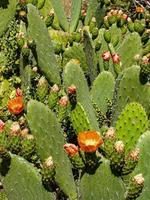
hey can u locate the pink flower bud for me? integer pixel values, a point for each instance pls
(55, 88)
(2, 125)
(71, 149)
(72, 89)
(116, 58)
(106, 56)
(15, 128)
(18, 92)
(138, 179)
(64, 101)
(124, 16)
(34, 69)
(119, 147)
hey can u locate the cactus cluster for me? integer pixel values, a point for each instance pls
(74, 100)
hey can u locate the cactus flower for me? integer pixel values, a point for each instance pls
(116, 58)
(106, 56)
(71, 149)
(2, 125)
(15, 105)
(139, 9)
(89, 141)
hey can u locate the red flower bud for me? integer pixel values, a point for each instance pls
(72, 89)
(71, 149)
(116, 58)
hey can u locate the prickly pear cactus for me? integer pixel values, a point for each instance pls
(143, 165)
(27, 182)
(9, 14)
(72, 68)
(102, 90)
(102, 185)
(49, 130)
(131, 123)
(129, 89)
(45, 53)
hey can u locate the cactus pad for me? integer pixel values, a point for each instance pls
(102, 185)
(24, 182)
(50, 141)
(45, 53)
(131, 123)
(144, 163)
(102, 90)
(73, 75)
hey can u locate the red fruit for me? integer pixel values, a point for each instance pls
(71, 149)
(106, 56)
(72, 89)
(116, 58)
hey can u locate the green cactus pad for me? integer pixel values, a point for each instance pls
(60, 12)
(79, 119)
(90, 56)
(102, 185)
(50, 141)
(73, 75)
(102, 90)
(130, 90)
(6, 15)
(131, 123)
(144, 163)
(24, 182)
(75, 52)
(130, 47)
(76, 9)
(45, 53)
(92, 7)
(3, 195)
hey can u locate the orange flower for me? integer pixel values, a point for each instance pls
(71, 149)
(15, 106)
(89, 141)
(139, 9)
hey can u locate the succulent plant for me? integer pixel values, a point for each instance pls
(74, 100)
